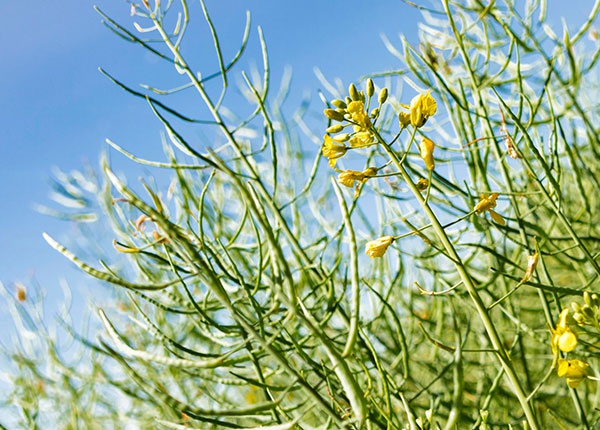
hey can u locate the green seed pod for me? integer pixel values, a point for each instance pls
(335, 128)
(334, 115)
(383, 95)
(339, 103)
(354, 94)
(370, 88)
(587, 312)
(587, 299)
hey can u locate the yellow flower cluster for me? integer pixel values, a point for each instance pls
(355, 128)
(564, 339)
(352, 114)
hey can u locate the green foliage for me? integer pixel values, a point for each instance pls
(249, 302)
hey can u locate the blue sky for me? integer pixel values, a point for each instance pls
(56, 109)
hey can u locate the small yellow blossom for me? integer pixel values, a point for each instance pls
(574, 371)
(488, 203)
(421, 108)
(356, 109)
(376, 248)
(333, 150)
(404, 119)
(361, 139)
(348, 177)
(563, 337)
(426, 147)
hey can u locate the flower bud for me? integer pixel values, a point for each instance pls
(334, 115)
(376, 248)
(383, 95)
(354, 94)
(375, 113)
(426, 148)
(341, 137)
(370, 88)
(587, 299)
(339, 103)
(335, 128)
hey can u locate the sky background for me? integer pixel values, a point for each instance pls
(56, 109)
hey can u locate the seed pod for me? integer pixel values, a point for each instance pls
(587, 299)
(587, 312)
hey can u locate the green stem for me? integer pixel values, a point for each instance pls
(490, 329)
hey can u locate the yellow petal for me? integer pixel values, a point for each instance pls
(497, 217)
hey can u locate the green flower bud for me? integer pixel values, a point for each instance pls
(339, 103)
(341, 137)
(595, 300)
(370, 88)
(375, 113)
(348, 100)
(335, 128)
(383, 95)
(575, 307)
(334, 115)
(354, 94)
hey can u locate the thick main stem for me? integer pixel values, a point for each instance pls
(470, 286)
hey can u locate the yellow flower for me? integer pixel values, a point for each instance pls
(574, 371)
(404, 119)
(488, 203)
(333, 150)
(421, 108)
(563, 336)
(348, 177)
(426, 147)
(356, 109)
(361, 139)
(376, 248)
